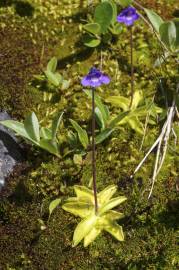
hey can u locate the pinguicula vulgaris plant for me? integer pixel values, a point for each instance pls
(52, 78)
(103, 25)
(30, 130)
(94, 208)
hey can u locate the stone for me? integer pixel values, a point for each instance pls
(10, 151)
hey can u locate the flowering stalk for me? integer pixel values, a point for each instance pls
(94, 78)
(132, 66)
(128, 16)
(94, 154)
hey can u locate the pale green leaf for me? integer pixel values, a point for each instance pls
(53, 78)
(45, 133)
(59, 77)
(99, 118)
(93, 28)
(176, 45)
(50, 146)
(77, 159)
(112, 215)
(120, 119)
(65, 84)
(114, 229)
(114, 8)
(84, 192)
(119, 101)
(136, 125)
(103, 108)
(154, 18)
(137, 98)
(53, 205)
(91, 236)
(55, 124)
(168, 34)
(90, 41)
(83, 228)
(106, 194)
(112, 203)
(31, 125)
(82, 134)
(104, 134)
(79, 208)
(52, 64)
(17, 127)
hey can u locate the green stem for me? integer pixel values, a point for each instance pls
(132, 67)
(93, 153)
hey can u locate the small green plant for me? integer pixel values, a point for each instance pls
(138, 110)
(53, 78)
(103, 25)
(93, 224)
(42, 137)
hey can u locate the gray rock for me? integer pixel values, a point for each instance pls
(10, 150)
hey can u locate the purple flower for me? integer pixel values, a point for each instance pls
(128, 16)
(95, 78)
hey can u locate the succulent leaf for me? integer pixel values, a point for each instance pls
(112, 203)
(106, 194)
(91, 236)
(83, 228)
(115, 230)
(81, 209)
(84, 192)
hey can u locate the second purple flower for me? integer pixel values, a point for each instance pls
(128, 16)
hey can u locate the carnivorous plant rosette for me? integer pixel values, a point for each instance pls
(93, 224)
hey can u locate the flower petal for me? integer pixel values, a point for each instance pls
(104, 79)
(85, 81)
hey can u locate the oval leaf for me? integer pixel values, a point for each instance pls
(112, 203)
(84, 192)
(31, 125)
(168, 34)
(154, 18)
(115, 230)
(93, 28)
(53, 205)
(83, 228)
(103, 135)
(82, 134)
(91, 236)
(45, 133)
(55, 124)
(53, 78)
(103, 108)
(17, 127)
(106, 194)
(103, 15)
(50, 146)
(81, 209)
(52, 64)
(91, 41)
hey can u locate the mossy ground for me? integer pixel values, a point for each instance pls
(31, 32)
